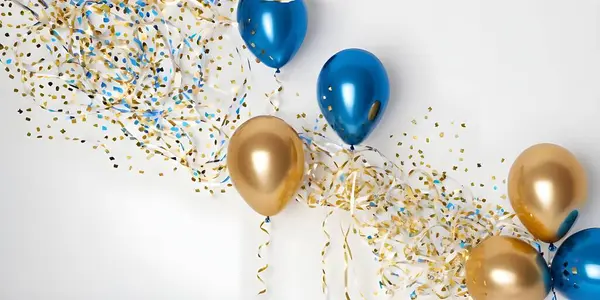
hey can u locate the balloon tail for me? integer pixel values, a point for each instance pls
(324, 252)
(260, 250)
(351, 147)
(551, 253)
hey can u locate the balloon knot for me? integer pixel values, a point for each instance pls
(351, 147)
(268, 220)
(278, 71)
(552, 247)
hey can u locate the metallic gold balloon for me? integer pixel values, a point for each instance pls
(547, 186)
(506, 268)
(265, 158)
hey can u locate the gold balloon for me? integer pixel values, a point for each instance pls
(547, 186)
(265, 158)
(506, 268)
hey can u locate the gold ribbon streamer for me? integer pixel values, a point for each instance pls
(324, 252)
(347, 258)
(260, 249)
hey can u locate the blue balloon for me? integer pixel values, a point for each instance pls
(576, 266)
(353, 91)
(272, 30)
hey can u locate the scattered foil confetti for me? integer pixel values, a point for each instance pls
(419, 222)
(167, 73)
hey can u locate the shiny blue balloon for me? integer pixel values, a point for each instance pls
(353, 91)
(272, 30)
(576, 266)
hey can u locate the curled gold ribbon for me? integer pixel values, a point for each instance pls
(274, 94)
(260, 256)
(324, 252)
(347, 257)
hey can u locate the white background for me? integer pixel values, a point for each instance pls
(518, 72)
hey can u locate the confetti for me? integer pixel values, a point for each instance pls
(157, 70)
(419, 222)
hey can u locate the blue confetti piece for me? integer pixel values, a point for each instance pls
(134, 62)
